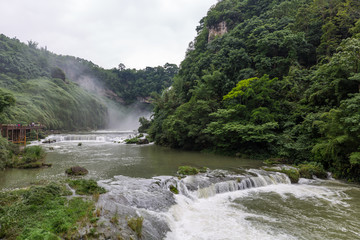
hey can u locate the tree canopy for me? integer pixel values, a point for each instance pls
(281, 80)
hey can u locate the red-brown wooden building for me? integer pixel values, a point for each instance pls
(16, 133)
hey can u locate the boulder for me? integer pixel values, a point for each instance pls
(142, 141)
(76, 171)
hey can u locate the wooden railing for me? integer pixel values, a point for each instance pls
(16, 133)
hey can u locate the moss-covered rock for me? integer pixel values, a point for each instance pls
(132, 140)
(304, 170)
(76, 171)
(187, 170)
(139, 139)
(293, 174)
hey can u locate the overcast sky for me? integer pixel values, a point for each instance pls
(138, 33)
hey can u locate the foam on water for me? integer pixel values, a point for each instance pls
(96, 137)
(223, 216)
(213, 218)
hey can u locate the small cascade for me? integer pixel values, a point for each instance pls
(97, 137)
(83, 138)
(262, 179)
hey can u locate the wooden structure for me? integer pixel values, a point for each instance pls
(16, 133)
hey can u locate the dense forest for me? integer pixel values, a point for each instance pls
(270, 78)
(65, 92)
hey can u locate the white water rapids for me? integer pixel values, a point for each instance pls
(95, 137)
(224, 217)
(218, 205)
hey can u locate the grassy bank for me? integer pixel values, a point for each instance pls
(46, 212)
(12, 157)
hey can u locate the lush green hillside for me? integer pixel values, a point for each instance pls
(54, 103)
(49, 88)
(120, 84)
(270, 78)
(27, 61)
(42, 93)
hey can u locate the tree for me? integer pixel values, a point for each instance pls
(121, 67)
(6, 100)
(33, 44)
(58, 73)
(144, 125)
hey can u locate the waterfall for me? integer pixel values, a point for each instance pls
(98, 137)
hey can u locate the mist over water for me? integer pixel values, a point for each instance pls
(120, 117)
(91, 85)
(126, 118)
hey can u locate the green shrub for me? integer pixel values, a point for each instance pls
(174, 189)
(39, 234)
(32, 157)
(132, 140)
(187, 170)
(136, 224)
(7, 153)
(34, 152)
(57, 72)
(273, 161)
(203, 169)
(5, 160)
(37, 195)
(307, 170)
(86, 187)
(144, 125)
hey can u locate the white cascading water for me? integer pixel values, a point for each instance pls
(265, 206)
(98, 137)
(208, 212)
(165, 214)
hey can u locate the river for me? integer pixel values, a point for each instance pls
(234, 199)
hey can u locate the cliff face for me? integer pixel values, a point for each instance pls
(218, 30)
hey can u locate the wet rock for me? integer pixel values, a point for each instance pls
(76, 171)
(142, 141)
(131, 198)
(46, 164)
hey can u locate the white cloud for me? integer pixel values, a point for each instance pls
(138, 33)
